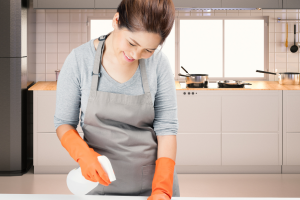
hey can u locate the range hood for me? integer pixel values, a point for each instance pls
(212, 9)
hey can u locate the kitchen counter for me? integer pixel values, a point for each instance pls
(96, 197)
(256, 85)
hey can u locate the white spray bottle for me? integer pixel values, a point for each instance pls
(78, 185)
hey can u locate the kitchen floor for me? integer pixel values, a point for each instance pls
(191, 185)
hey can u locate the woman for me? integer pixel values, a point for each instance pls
(126, 92)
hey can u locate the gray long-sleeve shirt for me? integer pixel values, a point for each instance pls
(74, 83)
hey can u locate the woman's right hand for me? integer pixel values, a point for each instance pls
(91, 169)
(87, 158)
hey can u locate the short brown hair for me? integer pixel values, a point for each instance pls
(154, 16)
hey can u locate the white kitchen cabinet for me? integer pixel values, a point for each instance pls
(199, 133)
(65, 4)
(198, 149)
(291, 130)
(224, 129)
(198, 3)
(49, 156)
(250, 149)
(291, 4)
(272, 4)
(104, 4)
(252, 128)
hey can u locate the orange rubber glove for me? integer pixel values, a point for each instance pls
(79, 150)
(162, 184)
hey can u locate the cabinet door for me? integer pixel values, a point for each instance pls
(291, 4)
(251, 111)
(50, 152)
(291, 127)
(112, 4)
(198, 149)
(252, 4)
(252, 128)
(198, 3)
(200, 112)
(199, 133)
(250, 149)
(79, 4)
(44, 110)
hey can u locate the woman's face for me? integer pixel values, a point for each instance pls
(130, 46)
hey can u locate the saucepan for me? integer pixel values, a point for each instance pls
(285, 78)
(195, 78)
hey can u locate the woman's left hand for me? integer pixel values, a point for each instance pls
(163, 179)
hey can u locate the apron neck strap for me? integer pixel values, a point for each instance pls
(97, 65)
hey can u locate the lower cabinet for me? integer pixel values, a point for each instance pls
(291, 129)
(250, 149)
(49, 156)
(198, 149)
(229, 131)
(219, 132)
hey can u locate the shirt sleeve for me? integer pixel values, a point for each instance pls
(68, 93)
(165, 105)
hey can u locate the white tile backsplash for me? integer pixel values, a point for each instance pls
(280, 57)
(40, 17)
(51, 47)
(63, 17)
(51, 37)
(63, 37)
(51, 58)
(51, 17)
(292, 67)
(63, 48)
(292, 57)
(58, 31)
(51, 27)
(75, 27)
(50, 68)
(63, 27)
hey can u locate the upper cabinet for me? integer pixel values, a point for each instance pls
(198, 3)
(63, 4)
(292, 4)
(107, 4)
(113, 4)
(253, 3)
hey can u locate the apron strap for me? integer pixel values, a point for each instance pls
(97, 65)
(144, 76)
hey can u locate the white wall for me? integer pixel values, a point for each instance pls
(59, 31)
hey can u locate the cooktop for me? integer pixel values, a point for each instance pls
(213, 85)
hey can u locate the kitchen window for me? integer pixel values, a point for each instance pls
(225, 48)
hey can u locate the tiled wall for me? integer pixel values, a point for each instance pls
(59, 31)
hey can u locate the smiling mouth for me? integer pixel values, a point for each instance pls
(131, 59)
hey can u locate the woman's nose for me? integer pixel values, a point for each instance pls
(136, 55)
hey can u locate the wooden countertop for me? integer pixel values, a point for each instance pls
(44, 85)
(256, 85)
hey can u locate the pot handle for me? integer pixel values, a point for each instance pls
(265, 72)
(183, 75)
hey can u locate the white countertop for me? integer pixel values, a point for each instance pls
(99, 197)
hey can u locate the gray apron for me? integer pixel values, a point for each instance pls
(120, 127)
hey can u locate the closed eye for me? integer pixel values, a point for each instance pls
(135, 45)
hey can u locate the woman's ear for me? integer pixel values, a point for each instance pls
(115, 21)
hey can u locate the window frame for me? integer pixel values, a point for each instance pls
(181, 79)
(177, 43)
